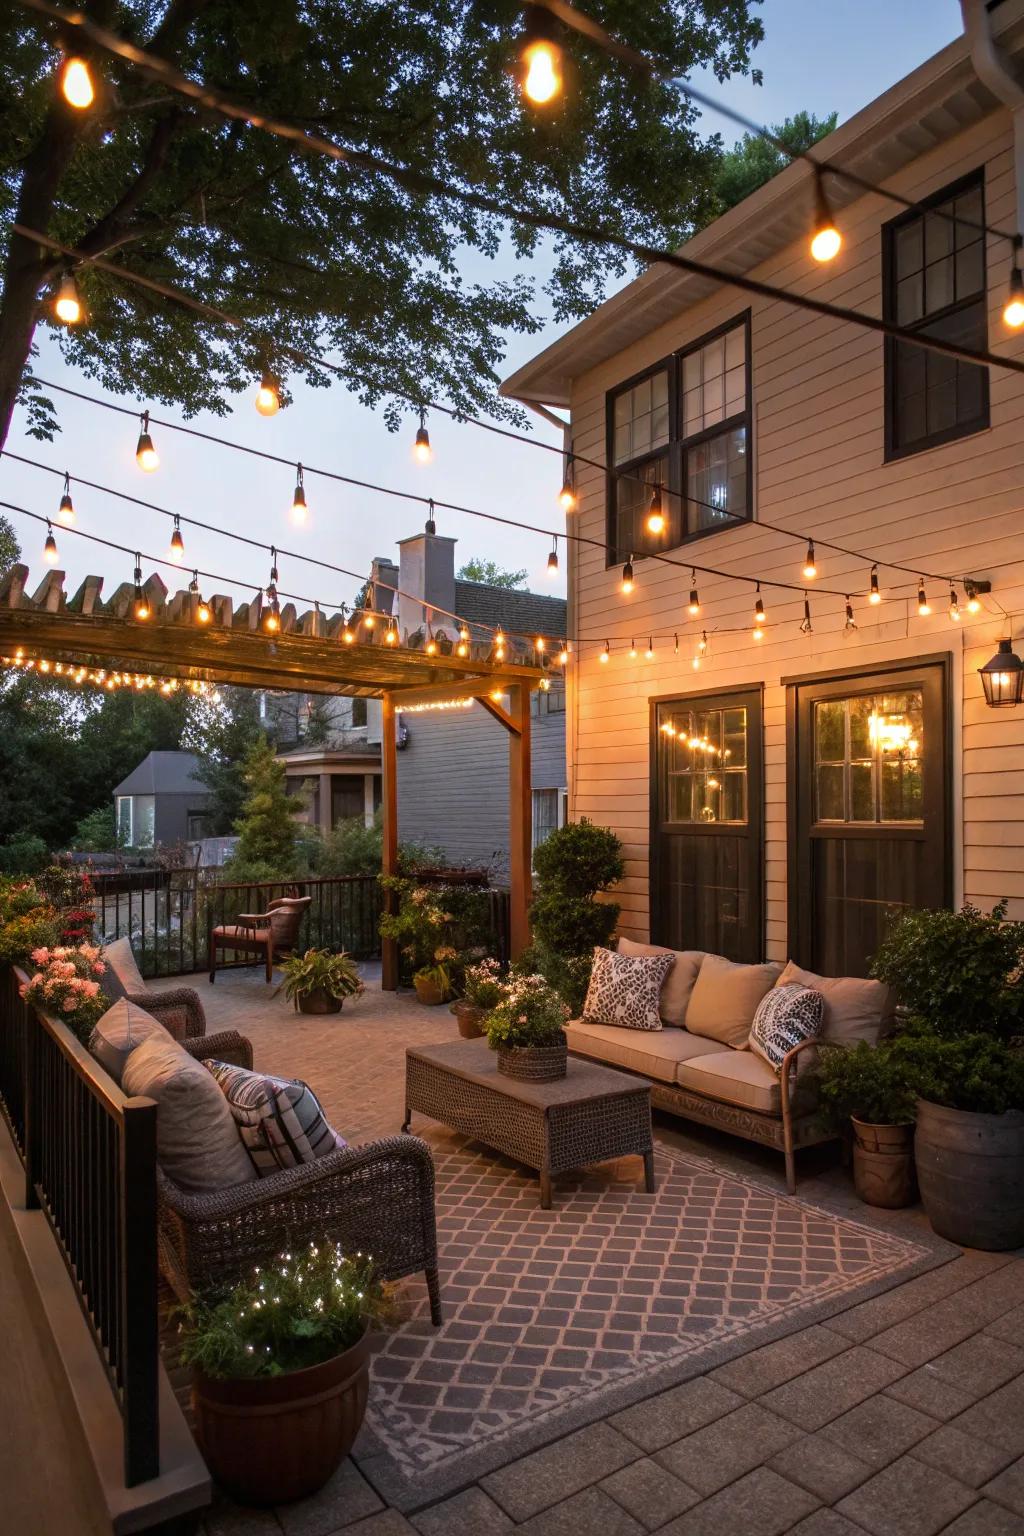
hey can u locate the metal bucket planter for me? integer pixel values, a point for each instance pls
(971, 1171)
(272, 1439)
(469, 1019)
(883, 1164)
(533, 1063)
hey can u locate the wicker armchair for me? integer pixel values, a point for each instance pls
(268, 934)
(178, 1009)
(378, 1198)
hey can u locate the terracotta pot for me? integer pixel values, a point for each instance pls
(468, 1017)
(278, 1438)
(318, 1002)
(427, 992)
(971, 1169)
(883, 1164)
(533, 1063)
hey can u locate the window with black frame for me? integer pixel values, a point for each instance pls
(685, 427)
(933, 266)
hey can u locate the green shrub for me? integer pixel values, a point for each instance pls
(868, 1082)
(975, 1072)
(19, 936)
(23, 855)
(573, 865)
(97, 832)
(956, 973)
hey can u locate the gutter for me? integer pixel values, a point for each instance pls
(993, 70)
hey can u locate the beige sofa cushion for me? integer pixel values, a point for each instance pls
(735, 1077)
(655, 1053)
(121, 959)
(725, 998)
(197, 1140)
(121, 1030)
(856, 1008)
(678, 984)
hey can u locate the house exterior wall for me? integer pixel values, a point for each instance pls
(818, 453)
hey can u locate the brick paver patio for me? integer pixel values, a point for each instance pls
(901, 1416)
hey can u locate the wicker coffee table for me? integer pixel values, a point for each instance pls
(588, 1116)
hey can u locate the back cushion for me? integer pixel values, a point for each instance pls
(725, 998)
(786, 1017)
(197, 1140)
(856, 1008)
(279, 1119)
(626, 989)
(120, 1031)
(120, 960)
(678, 984)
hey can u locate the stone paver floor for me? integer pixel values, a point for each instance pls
(902, 1416)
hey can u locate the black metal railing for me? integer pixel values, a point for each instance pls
(89, 1155)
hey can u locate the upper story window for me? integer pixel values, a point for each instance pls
(683, 426)
(933, 281)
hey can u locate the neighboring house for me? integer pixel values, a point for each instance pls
(161, 801)
(865, 771)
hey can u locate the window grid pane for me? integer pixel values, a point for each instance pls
(641, 422)
(704, 757)
(868, 752)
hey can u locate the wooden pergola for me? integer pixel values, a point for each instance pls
(309, 653)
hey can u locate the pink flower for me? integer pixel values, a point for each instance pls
(99, 969)
(40, 956)
(91, 988)
(36, 979)
(70, 1003)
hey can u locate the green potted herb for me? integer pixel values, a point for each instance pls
(482, 990)
(871, 1088)
(527, 1030)
(281, 1372)
(319, 981)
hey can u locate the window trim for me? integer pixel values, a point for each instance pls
(128, 800)
(893, 452)
(676, 448)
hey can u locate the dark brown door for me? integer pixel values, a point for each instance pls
(707, 845)
(869, 809)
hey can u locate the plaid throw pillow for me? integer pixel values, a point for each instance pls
(626, 989)
(279, 1119)
(785, 1016)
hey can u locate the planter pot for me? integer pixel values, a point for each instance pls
(427, 992)
(533, 1063)
(469, 1016)
(318, 1002)
(883, 1164)
(971, 1171)
(278, 1438)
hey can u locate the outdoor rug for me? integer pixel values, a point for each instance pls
(556, 1318)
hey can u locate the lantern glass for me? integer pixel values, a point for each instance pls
(1003, 678)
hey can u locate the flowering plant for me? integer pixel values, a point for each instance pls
(22, 933)
(65, 984)
(482, 985)
(530, 1013)
(76, 925)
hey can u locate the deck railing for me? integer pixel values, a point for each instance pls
(89, 1155)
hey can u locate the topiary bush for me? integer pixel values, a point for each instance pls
(574, 865)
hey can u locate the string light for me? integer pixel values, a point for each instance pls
(421, 449)
(675, 644)
(67, 306)
(177, 549)
(693, 608)
(563, 654)
(606, 655)
(656, 514)
(545, 684)
(140, 607)
(66, 510)
(627, 576)
(541, 58)
(810, 565)
(954, 605)
(76, 83)
(146, 456)
(202, 608)
(50, 554)
(369, 607)
(391, 633)
(73, 672)
(553, 560)
(430, 526)
(759, 615)
(1013, 310)
(272, 618)
(462, 649)
(851, 622)
(874, 596)
(973, 601)
(632, 650)
(806, 626)
(268, 396)
(826, 241)
(539, 644)
(567, 495)
(348, 635)
(923, 605)
(422, 709)
(649, 653)
(299, 511)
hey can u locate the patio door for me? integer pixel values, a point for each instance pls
(707, 844)
(869, 809)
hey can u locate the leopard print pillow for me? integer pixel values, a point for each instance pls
(785, 1016)
(626, 989)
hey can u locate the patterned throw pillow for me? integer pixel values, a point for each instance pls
(785, 1016)
(626, 989)
(279, 1119)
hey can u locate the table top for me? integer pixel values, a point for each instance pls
(475, 1062)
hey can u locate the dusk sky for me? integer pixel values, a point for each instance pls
(818, 57)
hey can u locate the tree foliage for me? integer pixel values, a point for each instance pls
(313, 253)
(492, 575)
(753, 161)
(221, 735)
(267, 833)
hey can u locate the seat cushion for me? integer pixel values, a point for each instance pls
(626, 989)
(240, 931)
(785, 1017)
(725, 998)
(279, 1119)
(678, 984)
(120, 1031)
(654, 1053)
(856, 1008)
(122, 971)
(734, 1077)
(197, 1140)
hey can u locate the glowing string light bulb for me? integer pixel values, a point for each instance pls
(177, 549)
(1013, 310)
(541, 58)
(606, 655)
(656, 513)
(973, 600)
(567, 495)
(693, 607)
(923, 606)
(627, 576)
(67, 306)
(76, 83)
(826, 241)
(759, 615)
(140, 605)
(954, 605)
(66, 510)
(50, 554)
(421, 449)
(268, 396)
(810, 564)
(272, 618)
(553, 560)
(299, 510)
(874, 595)
(146, 456)
(649, 653)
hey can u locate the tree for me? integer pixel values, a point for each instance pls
(311, 253)
(97, 831)
(221, 735)
(492, 575)
(266, 828)
(753, 161)
(10, 549)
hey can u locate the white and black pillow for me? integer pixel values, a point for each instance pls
(785, 1016)
(626, 989)
(279, 1119)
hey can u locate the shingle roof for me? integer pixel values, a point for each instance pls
(163, 773)
(528, 612)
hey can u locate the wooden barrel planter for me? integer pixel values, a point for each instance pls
(533, 1063)
(971, 1171)
(271, 1439)
(883, 1164)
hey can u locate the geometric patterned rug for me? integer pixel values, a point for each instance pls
(554, 1318)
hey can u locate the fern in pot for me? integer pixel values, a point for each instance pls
(320, 980)
(872, 1089)
(527, 1030)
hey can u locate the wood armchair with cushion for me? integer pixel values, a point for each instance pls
(270, 934)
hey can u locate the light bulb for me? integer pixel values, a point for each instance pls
(203, 613)
(431, 646)
(421, 449)
(50, 554)
(656, 516)
(973, 601)
(632, 650)
(272, 619)
(1013, 310)
(649, 653)
(810, 567)
(268, 399)
(693, 608)
(563, 655)
(627, 576)
(391, 634)
(759, 613)
(923, 605)
(539, 644)
(177, 549)
(76, 83)
(542, 71)
(954, 605)
(66, 510)
(874, 596)
(567, 496)
(553, 562)
(67, 305)
(826, 241)
(606, 654)
(347, 634)
(146, 456)
(851, 622)
(299, 511)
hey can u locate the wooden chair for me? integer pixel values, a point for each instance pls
(272, 933)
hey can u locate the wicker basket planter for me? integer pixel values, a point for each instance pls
(533, 1063)
(271, 1439)
(883, 1164)
(469, 1019)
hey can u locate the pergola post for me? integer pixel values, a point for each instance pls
(389, 828)
(520, 819)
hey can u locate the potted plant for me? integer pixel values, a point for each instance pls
(65, 983)
(958, 976)
(574, 866)
(482, 990)
(527, 1030)
(281, 1372)
(870, 1087)
(433, 982)
(319, 981)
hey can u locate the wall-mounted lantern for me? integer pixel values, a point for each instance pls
(1003, 677)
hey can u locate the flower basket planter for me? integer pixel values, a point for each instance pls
(469, 1019)
(271, 1439)
(319, 1001)
(883, 1164)
(428, 992)
(971, 1171)
(533, 1063)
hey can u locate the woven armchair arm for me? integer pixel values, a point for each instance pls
(253, 919)
(227, 1046)
(184, 1000)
